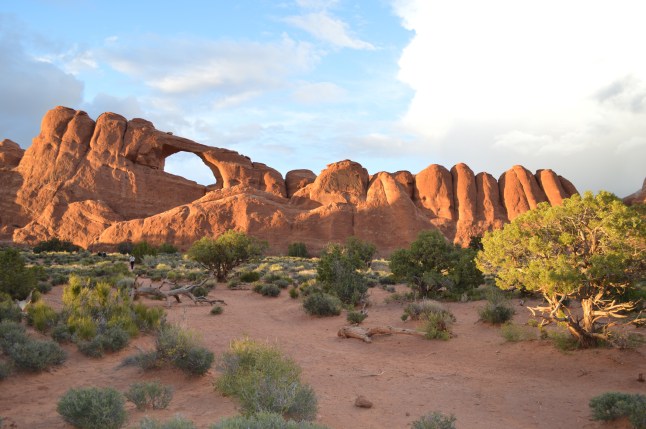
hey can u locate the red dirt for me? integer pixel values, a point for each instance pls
(485, 381)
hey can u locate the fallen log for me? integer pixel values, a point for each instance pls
(157, 292)
(365, 334)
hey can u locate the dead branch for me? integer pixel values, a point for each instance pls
(175, 292)
(365, 334)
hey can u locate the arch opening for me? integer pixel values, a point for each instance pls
(192, 167)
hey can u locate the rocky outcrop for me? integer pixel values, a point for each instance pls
(638, 197)
(100, 183)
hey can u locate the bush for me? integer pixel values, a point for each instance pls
(264, 380)
(249, 276)
(293, 293)
(177, 422)
(498, 310)
(10, 311)
(438, 326)
(197, 361)
(217, 309)
(297, 250)
(435, 420)
(91, 408)
(613, 405)
(37, 355)
(420, 310)
(141, 249)
(167, 248)
(322, 304)
(269, 290)
(149, 395)
(41, 316)
(56, 245)
(514, 333)
(112, 339)
(180, 348)
(337, 271)
(563, 341)
(263, 420)
(125, 247)
(356, 317)
(11, 333)
(144, 360)
(5, 370)
(16, 279)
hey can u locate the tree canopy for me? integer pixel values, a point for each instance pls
(224, 253)
(432, 263)
(586, 257)
(16, 279)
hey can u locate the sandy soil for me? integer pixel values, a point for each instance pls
(483, 380)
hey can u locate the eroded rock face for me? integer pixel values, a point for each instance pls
(100, 183)
(638, 197)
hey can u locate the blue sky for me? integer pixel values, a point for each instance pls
(392, 84)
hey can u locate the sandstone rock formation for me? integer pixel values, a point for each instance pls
(100, 183)
(638, 197)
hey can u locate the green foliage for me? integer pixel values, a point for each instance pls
(514, 333)
(293, 293)
(438, 326)
(563, 341)
(322, 304)
(92, 408)
(226, 252)
(151, 394)
(167, 248)
(16, 279)
(359, 251)
(268, 289)
(297, 250)
(56, 245)
(37, 355)
(265, 381)
(497, 310)
(435, 420)
(125, 247)
(112, 339)
(5, 370)
(263, 420)
(356, 317)
(337, 272)
(432, 264)
(217, 309)
(177, 422)
(613, 405)
(586, 252)
(181, 349)
(249, 276)
(421, 310)
(41, 316)
(11, 333)
(10, 311)
(141, 249)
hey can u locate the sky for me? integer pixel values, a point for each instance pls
(391, 84)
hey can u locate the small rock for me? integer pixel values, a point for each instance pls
(362, 402)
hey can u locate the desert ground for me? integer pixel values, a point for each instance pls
(477, 376)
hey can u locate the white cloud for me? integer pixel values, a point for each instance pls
(547, 84)
(328, 29)
(319, 93)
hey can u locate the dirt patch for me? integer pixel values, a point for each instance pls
(483, 380)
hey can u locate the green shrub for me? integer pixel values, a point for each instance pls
(16, 279)
(141, 249)
(112, 339)
(421, 310)
(5, 370)
(337, 271)
(10, 311)
(293, 293)
(125, 247)
(264, 380)
(149, 395)
(613, 405)
(41, 316)
(263, 420)
(435, 420)
(56, 245)
(217, 309)
(181, 349)
(92, 408)
(438, 326)
(197, 361)
(563, 341)
(297, 250)
(322, 304)
(11, 333)
(514, 333)
(144, 360)
(249, 276)
(167, 248)
(497, 310)
(37, 355)
(356, 317)
(177, 422)
(269, 289)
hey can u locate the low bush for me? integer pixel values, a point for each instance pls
(563, 341)
(356, 317)
(56, 245)
(196, 361)
(112, 339)
(514, 333)
(322, 304)
(297, 250)
(144, 360)
(37, 355)
(249, 276)
(421, 310)
(497, 310)
(11, 333)
(217, 309)
(435, 420)
(41, 316)
(263, 420)
(149, 395)
(5, 370)
(177, 422)
(61, 333)
(167, 248)
(269, 289)
(293, 293)
(264, 380)
(92, 408)
(10, 311)
(614, 405)
(438, 326)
